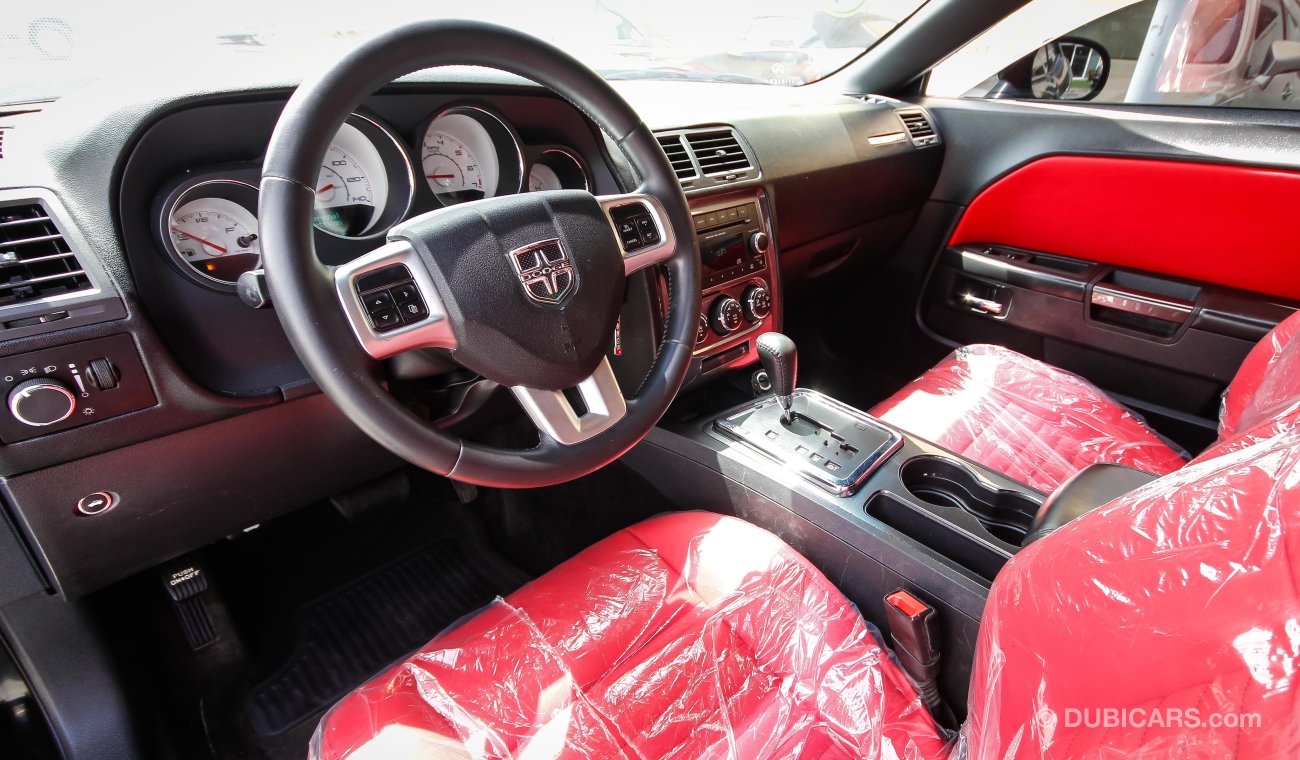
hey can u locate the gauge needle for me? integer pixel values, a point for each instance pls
(201, 240)
(325, 189)
(440, 176)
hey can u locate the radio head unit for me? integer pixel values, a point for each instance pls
(733, 244)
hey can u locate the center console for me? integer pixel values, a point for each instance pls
(739, 286)
(875, 508)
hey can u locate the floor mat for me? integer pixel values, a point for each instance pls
(350, 634)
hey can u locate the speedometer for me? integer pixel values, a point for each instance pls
(468, 153)
(352, 189)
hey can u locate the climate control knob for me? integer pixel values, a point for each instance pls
(702, 330)
(757, 303)
(725, 315)
(41, 401)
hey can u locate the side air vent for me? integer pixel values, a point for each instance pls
(36, 261)
(708, 157)
(718, 152)
(919, 128)
(678, 156)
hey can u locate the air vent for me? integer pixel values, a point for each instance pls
(678, 156)
(919, 127)
(718, 152)
(36, 261)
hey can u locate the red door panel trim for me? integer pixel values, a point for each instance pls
(1228, 225)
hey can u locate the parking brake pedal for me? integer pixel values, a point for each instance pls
(185, 582)
(914, 628)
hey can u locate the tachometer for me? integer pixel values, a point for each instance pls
(468, 153)
(210, 229)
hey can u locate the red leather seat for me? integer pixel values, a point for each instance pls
(688, 636)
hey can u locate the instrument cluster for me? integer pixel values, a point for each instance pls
(370, 179)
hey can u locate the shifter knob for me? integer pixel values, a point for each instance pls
(780, 360)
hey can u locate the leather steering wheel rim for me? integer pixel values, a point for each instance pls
(304, 293)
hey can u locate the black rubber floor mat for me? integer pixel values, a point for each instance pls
(349, 635)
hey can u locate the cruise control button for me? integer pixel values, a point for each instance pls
(649, 232)
(628, 234)
(385, 320)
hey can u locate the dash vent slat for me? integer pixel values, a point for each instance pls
(919, 127)
(35, 259)
(718, 152)
(678, 156)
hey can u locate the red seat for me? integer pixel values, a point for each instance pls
(1040, 425)
(1025, 419)
(1164, 624)
(688, 636)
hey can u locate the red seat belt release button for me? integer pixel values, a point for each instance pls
(914, 627)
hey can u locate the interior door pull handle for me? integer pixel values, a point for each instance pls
(984, 305)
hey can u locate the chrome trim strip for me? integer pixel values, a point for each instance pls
(552, 413)
(839, 485)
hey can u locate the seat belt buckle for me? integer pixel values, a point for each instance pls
(914, 628)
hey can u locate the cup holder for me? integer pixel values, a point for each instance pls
(1006, 515)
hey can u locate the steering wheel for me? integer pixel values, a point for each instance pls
(524, 290)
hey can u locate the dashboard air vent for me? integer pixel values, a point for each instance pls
(919, 127)
(718, 152)
(36, 261)
(678, 156)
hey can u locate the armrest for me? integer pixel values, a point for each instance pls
(1090, 488)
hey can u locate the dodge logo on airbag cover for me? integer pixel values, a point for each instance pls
(544, 270)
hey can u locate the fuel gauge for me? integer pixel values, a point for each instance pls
(211, 231)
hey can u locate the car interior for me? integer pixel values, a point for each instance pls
(671, 416)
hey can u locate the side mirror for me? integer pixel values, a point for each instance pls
(1283, 57)
(1070, 68)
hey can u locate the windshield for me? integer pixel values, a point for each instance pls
(48, 49)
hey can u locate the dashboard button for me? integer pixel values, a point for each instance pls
(385, 320)
(96, 503)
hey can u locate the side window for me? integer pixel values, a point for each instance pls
(1173, 52)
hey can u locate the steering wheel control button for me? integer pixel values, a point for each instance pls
(649, 232)
(383, 278)
(41, 402)
(391, 298)
(378, 301)
(384, 320)
(636, 227)
(96, 503)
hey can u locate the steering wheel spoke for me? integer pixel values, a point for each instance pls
(641, 227)
(555, 415)
(391, 302)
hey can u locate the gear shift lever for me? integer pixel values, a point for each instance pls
(781, 362)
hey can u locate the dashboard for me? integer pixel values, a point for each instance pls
(189, 201)
(202, 421)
